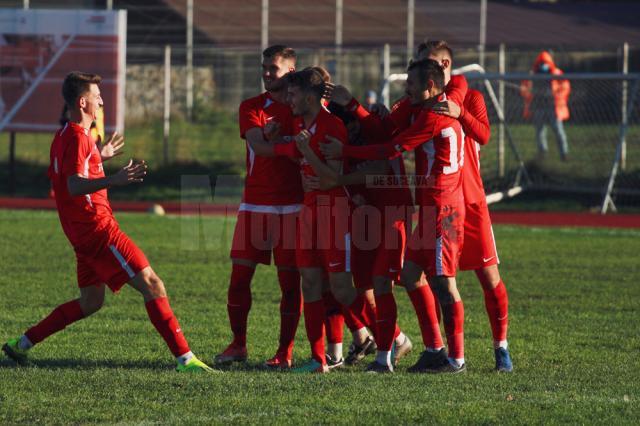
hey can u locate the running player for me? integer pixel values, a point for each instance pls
(267, 215)
(104, 254)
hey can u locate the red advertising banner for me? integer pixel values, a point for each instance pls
(39, 47)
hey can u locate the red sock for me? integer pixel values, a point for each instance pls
(453, 316)
(425, 307)
(57, 320)
(166, 323)
(290, 309)
(239, 302)
(353, 314)
(314, 324)
(334, 320)
(497, 303)
(370, 315)
(397, 331)
(387, 316)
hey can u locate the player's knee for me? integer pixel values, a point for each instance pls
(154, 286)
(91, 305)
(442, 293)
(489, 277)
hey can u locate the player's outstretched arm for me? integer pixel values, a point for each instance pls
(131, 173)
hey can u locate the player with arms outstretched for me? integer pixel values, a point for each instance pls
(104, 254)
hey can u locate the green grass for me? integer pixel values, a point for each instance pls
(573, 336)
(213, 146)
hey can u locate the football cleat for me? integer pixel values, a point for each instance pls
(13, 351)
(233, 353)
(400, 351)
(503, 361)
(279, 362)
(195, 366)
(357, 353)
(376, 367)
(449, 368)
(430, 362)
(334, 363)
(312, 366)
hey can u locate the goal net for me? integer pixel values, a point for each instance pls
(591, 147)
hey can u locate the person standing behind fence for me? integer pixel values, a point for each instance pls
(545, 103)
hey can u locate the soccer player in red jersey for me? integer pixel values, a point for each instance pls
(378, 230)
(324, 239)
(104, 254)
(435, 245)
(267, 216)
(479, 252)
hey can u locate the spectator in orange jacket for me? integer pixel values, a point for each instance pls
(545, 103)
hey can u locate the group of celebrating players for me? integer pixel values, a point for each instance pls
(327, 193)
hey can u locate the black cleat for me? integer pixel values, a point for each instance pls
(430, 362)
(357, 353)
(376, 367)
(333, 363)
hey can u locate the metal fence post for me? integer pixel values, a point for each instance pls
(500, 147)
(625, 95)
(411, 9)
(167, 103)
(189, 59)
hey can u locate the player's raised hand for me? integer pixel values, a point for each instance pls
(271, 130)
(331, 150)
(448, 108)
(131, 173)
(380, 109)
(341, 95)
(112, 147)
(328, 90)
(302, 140)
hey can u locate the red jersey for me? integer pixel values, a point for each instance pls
(73, 152)
(441, 144)
(475, 124)
(270, 181)
(325, 124)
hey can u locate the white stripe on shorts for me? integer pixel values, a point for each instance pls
(123, 262)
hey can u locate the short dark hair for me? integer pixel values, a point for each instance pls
(341, 112)
(308, 80)
(77, 83)
(428, 69)
(280, 50)
(434, 47)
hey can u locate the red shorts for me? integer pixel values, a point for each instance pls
(378, 242)
(111, 258)
(479, 248)
(324, 238)
(264, 229)
(436, 243)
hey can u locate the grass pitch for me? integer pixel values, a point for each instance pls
(573, 336)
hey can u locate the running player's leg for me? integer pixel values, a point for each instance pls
(147, 283)
(90, 301)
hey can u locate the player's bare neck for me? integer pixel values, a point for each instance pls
(279, 95)
(81, 119)
(310, 116)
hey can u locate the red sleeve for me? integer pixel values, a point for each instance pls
(400, 116)
(288, 149)
(421, 131)
(371, 125)
(474, 119)
(74, 161)
(248, 117)
(457, 88)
